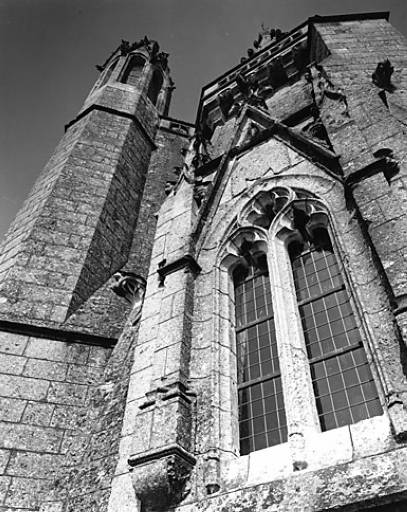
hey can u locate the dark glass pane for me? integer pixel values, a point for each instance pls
(245, 446)
(359, 412)
(258, 425)
(343, 417)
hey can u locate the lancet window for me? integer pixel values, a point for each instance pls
(133, 70)
(262, 420)
(155, 86)
(297, 242)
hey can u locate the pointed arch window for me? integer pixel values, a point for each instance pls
(262, 421)
(343, 384)
(320, 343)
(155, 86)
(134, 70)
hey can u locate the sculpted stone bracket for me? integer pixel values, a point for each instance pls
(160, 477)
(396, 405)
(186, 262)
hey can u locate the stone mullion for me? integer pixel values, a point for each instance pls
(299, 399)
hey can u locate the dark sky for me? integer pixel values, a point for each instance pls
(49, 49)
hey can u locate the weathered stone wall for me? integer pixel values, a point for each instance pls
(380, 193)
(170, 142)
(75, 230)
(45, 390)
(108, 428)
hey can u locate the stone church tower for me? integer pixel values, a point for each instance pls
(213, 317)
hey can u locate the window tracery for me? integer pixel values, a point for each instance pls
(313, 315)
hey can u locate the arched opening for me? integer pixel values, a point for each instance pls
(155, 86)
(134, 70)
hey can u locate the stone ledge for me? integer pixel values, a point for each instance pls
(366, 482)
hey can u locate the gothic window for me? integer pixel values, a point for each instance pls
(155, 86)
(133, 71)
(343, 384)
(283, 257)
(262, 420)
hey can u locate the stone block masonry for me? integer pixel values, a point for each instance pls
(375, 123)
(75, 230)
(45, 391)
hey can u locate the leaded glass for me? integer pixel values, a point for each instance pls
(344, 388)
(262, 421)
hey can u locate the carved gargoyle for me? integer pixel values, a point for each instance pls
(200, 146)
(382, 75)
(128, 285)
(162, 58)
(131, 287)
(258, 41)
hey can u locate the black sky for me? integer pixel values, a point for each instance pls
(49, 48)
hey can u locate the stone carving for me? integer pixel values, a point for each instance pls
(160, 478)
(200, 147)
(327, 97)
(396, 401)
(257, 42)
(124, 47)
(156, 57)
(316, 129)
(251, 92)
(130, 286)
(212, 470)
(382, 75)
(252, 133)
(201, 190)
